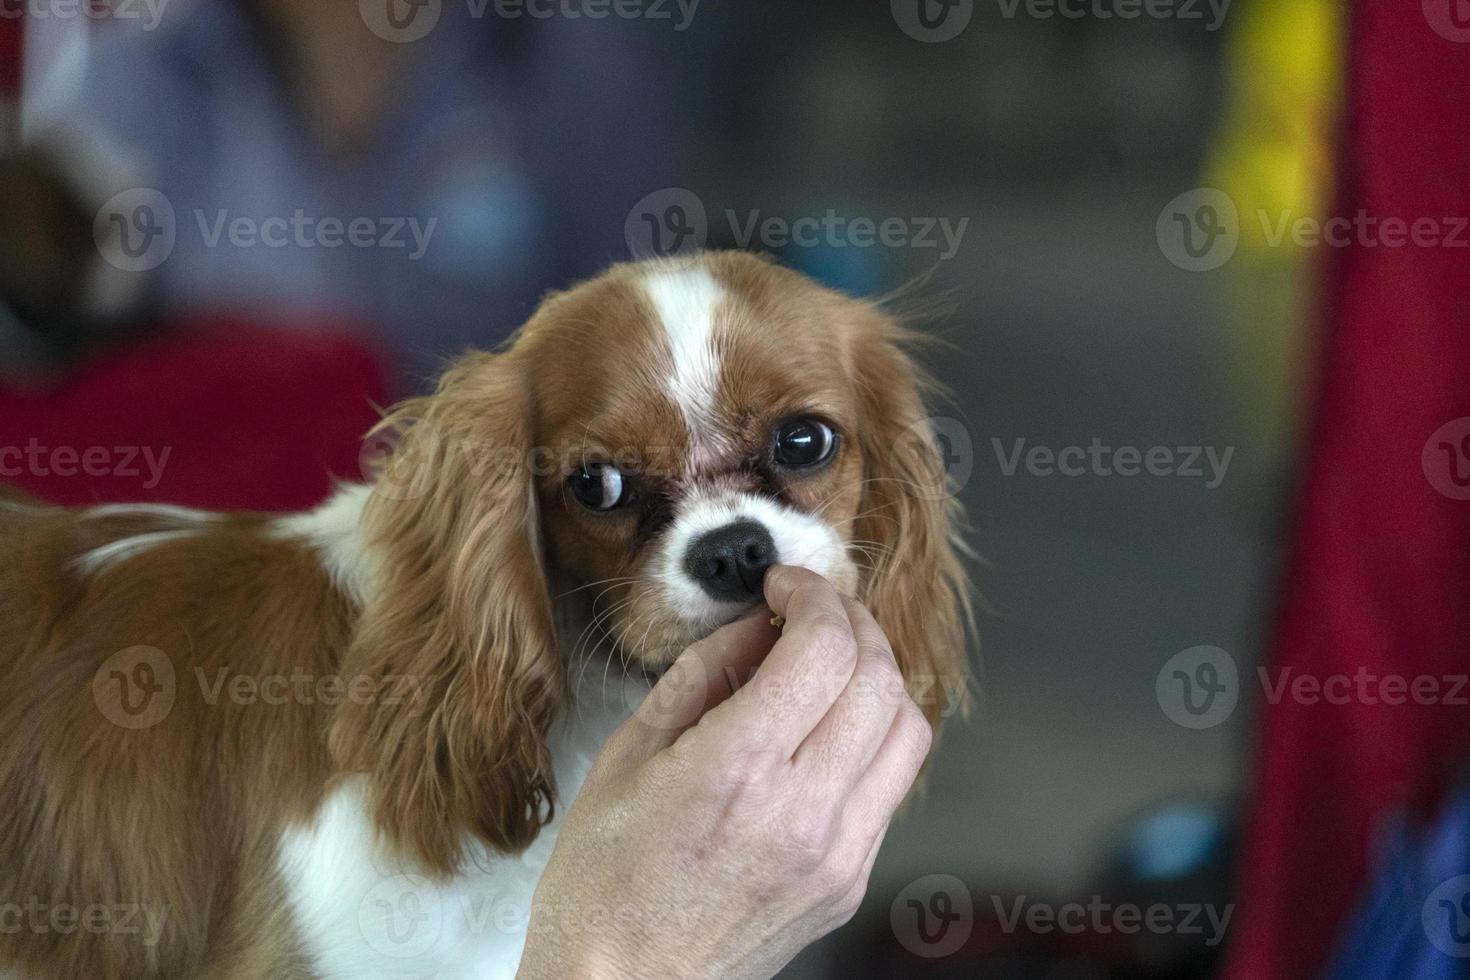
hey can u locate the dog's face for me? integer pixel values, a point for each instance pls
(701, 422)
(648, 445)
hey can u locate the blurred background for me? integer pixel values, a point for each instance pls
(221, 217)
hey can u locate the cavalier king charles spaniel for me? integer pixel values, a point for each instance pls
(337, 744)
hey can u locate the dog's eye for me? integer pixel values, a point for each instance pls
(600, 486)
(803, 442)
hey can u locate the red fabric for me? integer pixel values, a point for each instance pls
(214, 414)
(1380, 577)
(11, 28)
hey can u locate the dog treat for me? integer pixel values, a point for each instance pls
(778, 621)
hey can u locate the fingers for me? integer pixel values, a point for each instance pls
(844, 743)
(882, 788)
(796, 685)
(704, 676)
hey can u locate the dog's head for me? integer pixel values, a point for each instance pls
(649, 443)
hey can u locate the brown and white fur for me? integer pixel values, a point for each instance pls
(338, 744)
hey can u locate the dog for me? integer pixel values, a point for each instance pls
(337, 744)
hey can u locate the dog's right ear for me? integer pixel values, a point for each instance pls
(458, 613)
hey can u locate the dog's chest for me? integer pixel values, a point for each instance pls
(363, 916)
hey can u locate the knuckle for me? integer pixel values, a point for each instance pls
(741, 770)
(810, 589)
(832, 640)
(848, 906)
(915, 728)
(806, 840)
(833, 881)
(884, 669)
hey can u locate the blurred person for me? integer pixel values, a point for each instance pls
(309, 162)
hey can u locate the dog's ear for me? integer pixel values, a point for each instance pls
(909, 519)
(460, 617)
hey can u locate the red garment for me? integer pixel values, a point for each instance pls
(1380, 573)
(11, 29)
(215, 414)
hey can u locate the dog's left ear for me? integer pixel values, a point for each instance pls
(914, 583)
(459, 617)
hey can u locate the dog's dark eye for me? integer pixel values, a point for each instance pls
(600, 486)
(803, 442)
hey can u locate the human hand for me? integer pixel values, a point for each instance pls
(722, 831)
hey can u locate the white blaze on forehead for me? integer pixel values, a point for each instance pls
(685, 300)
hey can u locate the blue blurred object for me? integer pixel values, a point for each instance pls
(1414, 922)
(1174, 842)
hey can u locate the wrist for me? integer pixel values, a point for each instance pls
(571, 961)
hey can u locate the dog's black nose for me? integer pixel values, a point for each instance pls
(729, 562)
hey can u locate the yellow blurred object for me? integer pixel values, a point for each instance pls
(1273, 153)
(1274, 157)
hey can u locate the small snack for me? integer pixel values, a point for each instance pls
(778, 621)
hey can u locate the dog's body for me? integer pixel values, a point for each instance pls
(338, 744)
